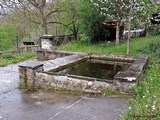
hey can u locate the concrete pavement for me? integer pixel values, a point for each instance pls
(18, 105)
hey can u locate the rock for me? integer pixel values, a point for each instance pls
(38, 103)
(90, 83)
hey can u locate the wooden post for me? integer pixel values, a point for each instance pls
(40, 42)
(129, 29)
(31, 48)
(25, 48)
(17, 45)
(129, 35)
(117, 31)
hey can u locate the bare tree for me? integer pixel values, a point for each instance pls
(39, 12)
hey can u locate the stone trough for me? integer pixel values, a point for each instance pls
(46, 75)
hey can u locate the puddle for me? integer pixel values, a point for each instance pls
(94, 69)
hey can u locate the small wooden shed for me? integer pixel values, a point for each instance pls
(109, 31)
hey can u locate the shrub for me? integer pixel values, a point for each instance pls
(152, 49)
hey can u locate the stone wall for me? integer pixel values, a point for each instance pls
(27, 75)
(50, 55)
(53, 54)
(34, 76)
(116, 58)
(47, 42)
(56, 81)
(126, 80)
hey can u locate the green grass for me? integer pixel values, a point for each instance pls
(145, 101)
(109, 48)
(6, 59)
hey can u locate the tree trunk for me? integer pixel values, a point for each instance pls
(75, 32)
(117, 31)
(45, 29)
(129, 35)
(44, 26)
(44, 21)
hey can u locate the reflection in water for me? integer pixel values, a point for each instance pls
(96, 70)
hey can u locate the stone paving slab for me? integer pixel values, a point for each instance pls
(53, 64)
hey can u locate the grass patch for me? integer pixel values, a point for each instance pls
(152, 49)
(6, 59)
(107, 92)
(110, 48)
